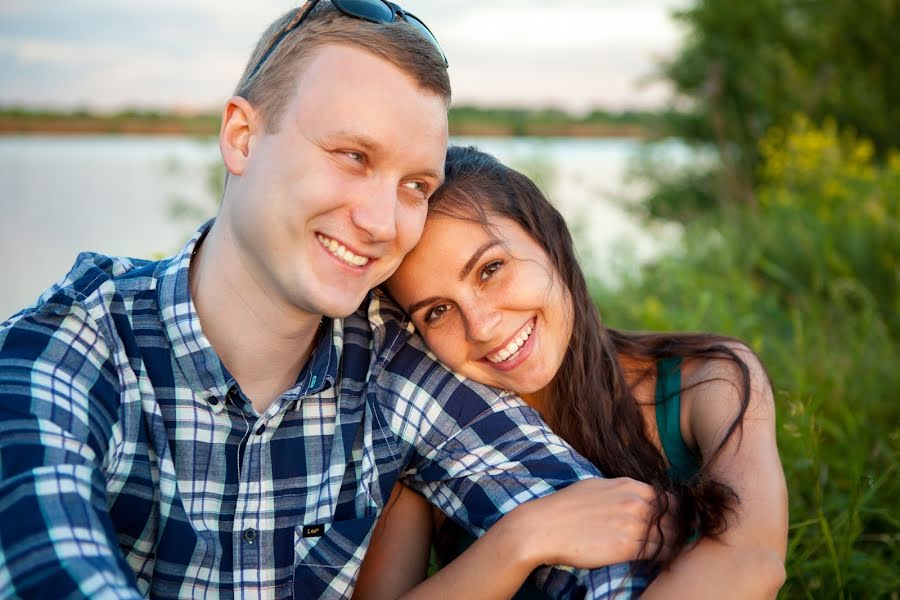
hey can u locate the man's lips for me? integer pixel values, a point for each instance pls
(341, 252)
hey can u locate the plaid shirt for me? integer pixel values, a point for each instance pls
(132, 464)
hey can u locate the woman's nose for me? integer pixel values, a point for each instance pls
(481, 323)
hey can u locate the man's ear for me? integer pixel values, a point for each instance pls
(239, 123)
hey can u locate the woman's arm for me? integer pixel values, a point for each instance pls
(591, 523)
(747, 561)
(397, 559)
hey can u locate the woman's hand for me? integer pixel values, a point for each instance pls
(591, 523)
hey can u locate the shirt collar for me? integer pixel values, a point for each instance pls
(391, 327)
(192, 351)
(195, 356)
(321, 370)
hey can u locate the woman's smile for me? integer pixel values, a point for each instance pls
(516, 351)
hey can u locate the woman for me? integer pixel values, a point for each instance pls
(495, 290)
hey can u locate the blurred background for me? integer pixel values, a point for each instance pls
(728, 167)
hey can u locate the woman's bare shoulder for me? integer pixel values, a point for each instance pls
(716, 391)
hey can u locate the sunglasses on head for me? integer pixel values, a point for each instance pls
(374, 11)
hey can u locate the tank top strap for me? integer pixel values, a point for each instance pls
(682, 462)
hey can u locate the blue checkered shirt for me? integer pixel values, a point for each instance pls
(131, 464)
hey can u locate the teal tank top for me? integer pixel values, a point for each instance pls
(683, 463)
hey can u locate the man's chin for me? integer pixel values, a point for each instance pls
(338, 309)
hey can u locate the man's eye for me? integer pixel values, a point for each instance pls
(491, 269)
(357, 156)
(436, 312)
(416, 185)
(419, 189)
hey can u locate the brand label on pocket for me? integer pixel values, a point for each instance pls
(313, 530)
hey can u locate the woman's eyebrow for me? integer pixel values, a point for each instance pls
(467, 268)
(470, 264)
(411, 310)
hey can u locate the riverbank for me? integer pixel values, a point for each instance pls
(463, 121)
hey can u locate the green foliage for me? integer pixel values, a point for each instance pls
(748, 66)
(839, 210)
(811, 281)
(465, 120)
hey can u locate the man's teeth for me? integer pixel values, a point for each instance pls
(514, 346)
(341, 252)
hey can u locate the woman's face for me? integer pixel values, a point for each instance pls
(488, 303)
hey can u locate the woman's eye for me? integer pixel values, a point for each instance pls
(490, 269)
(436, 312)
(357, 156)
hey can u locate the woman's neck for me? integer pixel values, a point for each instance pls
(634, 369)
(538, 401)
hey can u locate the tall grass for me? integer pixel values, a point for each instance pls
(810, 279)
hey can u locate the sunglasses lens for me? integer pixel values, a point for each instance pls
(370, 10)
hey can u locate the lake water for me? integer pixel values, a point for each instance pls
(143, 196)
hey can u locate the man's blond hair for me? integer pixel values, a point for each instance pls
(273, 85)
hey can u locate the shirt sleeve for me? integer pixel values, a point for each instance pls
(478, 454)
(58, 403)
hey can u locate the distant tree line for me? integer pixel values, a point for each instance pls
(464, 120)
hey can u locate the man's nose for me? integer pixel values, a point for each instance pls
(375, 212)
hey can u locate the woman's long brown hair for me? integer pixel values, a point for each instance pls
(590, 404)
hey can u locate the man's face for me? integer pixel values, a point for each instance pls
(328, 206)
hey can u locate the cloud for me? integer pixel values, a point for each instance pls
(573, 53)
(64, 53)
(576, 54)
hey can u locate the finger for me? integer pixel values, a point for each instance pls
(667, 552)
(666, 547)
(640, 489)
(673, 502)
(651, 547)
(668, 525)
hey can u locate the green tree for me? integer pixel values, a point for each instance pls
(748, 66)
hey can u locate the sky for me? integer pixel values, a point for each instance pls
(187, 54)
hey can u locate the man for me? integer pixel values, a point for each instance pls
(231, 421)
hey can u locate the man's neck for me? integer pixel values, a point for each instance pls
(263, 342)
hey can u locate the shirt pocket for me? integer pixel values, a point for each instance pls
(327, 560)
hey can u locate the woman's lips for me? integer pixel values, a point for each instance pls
(522, 349)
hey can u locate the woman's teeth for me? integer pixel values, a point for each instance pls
(514, 346)
(341, 252)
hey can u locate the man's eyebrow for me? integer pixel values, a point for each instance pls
(364, 141)
(438, 176)
(370, 144)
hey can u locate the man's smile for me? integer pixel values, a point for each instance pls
(341, 252)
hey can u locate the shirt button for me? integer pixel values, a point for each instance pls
(249, 535)
(213, 401)
(261, 429)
